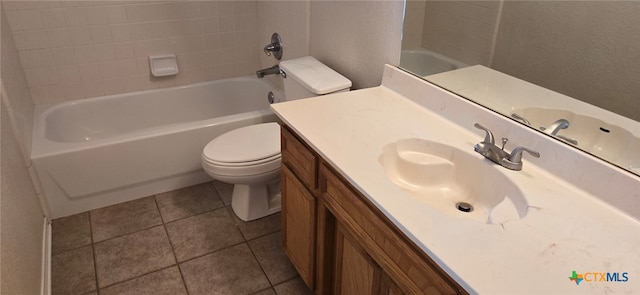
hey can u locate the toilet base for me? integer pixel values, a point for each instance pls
(250, 202)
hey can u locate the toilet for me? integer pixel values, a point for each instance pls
(249, 157)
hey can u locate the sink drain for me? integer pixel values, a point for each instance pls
(464, 206)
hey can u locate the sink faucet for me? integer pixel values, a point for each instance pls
(487, 148)
(555, 127)
(268, 71)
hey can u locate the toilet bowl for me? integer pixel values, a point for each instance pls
(249, 157)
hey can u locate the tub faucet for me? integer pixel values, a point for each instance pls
(555, 127)
(487, 148)
(268, 71)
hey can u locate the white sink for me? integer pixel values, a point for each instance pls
(446, 178)
(593, 135)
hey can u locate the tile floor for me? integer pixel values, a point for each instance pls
(186, 241)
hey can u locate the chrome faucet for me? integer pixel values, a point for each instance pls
(487, 148)
(268, 71)
(555, 127)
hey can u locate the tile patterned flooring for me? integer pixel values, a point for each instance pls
(186, 241)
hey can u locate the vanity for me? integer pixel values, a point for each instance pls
(359, 219)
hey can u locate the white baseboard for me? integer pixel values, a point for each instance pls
(45, 280)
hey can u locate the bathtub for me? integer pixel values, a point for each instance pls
(423, 62)
(96, 152)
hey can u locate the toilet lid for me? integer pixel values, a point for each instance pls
(246, 144)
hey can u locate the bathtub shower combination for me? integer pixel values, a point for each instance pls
(96, 152)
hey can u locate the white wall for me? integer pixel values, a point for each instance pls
(21, 217)
(356, 38)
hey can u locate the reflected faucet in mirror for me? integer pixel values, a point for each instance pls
(538, 42)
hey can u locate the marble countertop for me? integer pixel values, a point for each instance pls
(566, 228)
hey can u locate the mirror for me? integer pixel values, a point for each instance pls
(570, 69)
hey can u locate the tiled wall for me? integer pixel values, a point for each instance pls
(463, 30)
(21, 218)
(78, 49)
(413, 22)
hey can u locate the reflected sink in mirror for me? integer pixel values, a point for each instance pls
(591, 134)
(451, 181)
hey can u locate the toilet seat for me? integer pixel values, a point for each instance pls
(245, 151)
(243, 145)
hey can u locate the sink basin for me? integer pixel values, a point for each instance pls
(593, 135)
(451, 180)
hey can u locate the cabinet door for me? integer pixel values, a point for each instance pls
(299, 225)
(355, 273)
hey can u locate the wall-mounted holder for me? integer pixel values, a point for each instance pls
(163, 65)
(275, 46)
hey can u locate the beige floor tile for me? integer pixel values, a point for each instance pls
(125, 218)
(204, 233)
(164, 282)
(259, 227)
(129, 256)
(73, 272)
(70, 232)
(188, 201)
(269, 291)
(230, 271)
(225, 190)
(293, 287)
(270, 254)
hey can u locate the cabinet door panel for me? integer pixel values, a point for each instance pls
(299, 226)
(355, 271)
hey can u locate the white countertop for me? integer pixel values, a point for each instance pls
(566, 229)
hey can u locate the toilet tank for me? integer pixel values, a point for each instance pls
(307, 77)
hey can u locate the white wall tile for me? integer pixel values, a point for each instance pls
(109, 69)
(59, 38)
(85, 54)
(105, 52)
(127, 67)
(124, 50)
(64, 56)
(75, 16)
(69, 74)
(53, 18)
(98, 41)
(100, 34)
(73, 91)
(89, 72)
(41, 58)
(97, 16)
(80, 35)
(121, 33)
(31, 20)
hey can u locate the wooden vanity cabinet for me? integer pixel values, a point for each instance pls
(339, 242)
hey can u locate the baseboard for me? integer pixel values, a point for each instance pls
(46, 258)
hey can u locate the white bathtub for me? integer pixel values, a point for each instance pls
(96, 152)
(423, 62)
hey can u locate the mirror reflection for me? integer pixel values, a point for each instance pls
(569, 69)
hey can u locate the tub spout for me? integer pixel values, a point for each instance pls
(268, 71)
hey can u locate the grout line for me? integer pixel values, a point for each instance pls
(260, 264)
(173, 250)
(93, 252)
(138, 276)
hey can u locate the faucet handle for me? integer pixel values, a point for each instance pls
(488, 137)
(514, 162)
